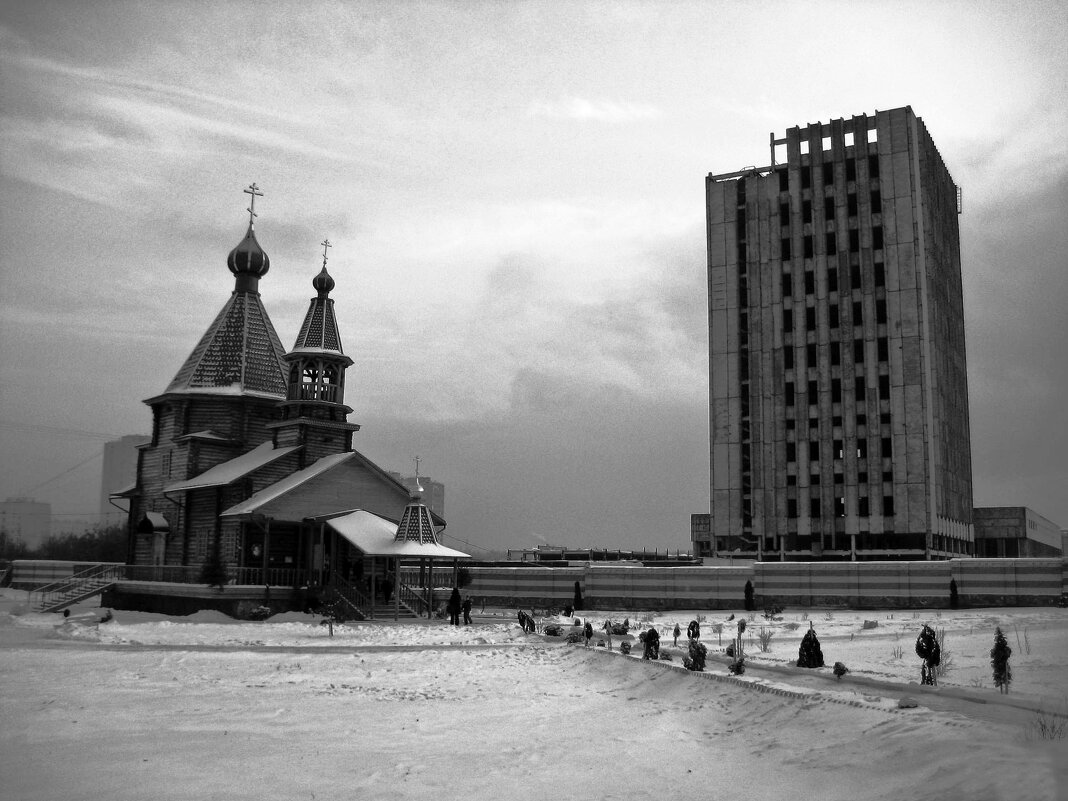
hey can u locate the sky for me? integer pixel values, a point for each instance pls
(515, 197)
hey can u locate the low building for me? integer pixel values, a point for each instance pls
(1015, 531)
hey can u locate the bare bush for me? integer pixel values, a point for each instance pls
(946, 663)
(1047, 726)
(765, 639)
(898, 652)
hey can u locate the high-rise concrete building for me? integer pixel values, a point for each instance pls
(838, 384)
(119, 472)
(26, 520)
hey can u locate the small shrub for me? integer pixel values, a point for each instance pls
(898, 652)
(553, 630)
(695, 658)
(978, 683)
(1046, 726)
(793, 625)
(765, 639)
(574, 637)
(946, 662)
(737, 667)
(840, 670)
(624, 647)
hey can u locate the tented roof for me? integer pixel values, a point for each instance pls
(375, 535)
(231, 471)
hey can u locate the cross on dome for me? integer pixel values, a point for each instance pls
(254, 191)
(326, 244)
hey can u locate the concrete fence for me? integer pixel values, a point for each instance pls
(980, 582)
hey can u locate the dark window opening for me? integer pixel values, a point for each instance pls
(791, 506)
(784, 214)
(806, 211)
(884, 349)
(862, 507)
(873, 166)
(880, 311)
(810, 282)
(787, 320)
(877, 237)
(836, 390)
(884, 387)
(789, 393)
(854, 241)
(813, 451)
(862, 449)
(785, 248)
(810, 318)
(808, 247)
(887, 448)
(810, 355)
(858, 351)
(784, 180)
(851, 169)
(832, 243)
(880, 274)
(832, 279)
(833, 314)
(836, 353)
(828, 173)
(876, 202)
(806, 177)
(814, 507)
(851, 204)
(828, 208)
(884, 418)
(791, 451)
(888, 505)
(788, 358)
(858, 313)
(859, 388)
(854, 272)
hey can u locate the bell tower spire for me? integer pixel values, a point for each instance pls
(314, 413)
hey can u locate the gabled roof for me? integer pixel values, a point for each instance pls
(240, 353)
(378, 536)
(231, 471)
(264, 500)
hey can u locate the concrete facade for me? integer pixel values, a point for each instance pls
(838, 378)
(1015, 531)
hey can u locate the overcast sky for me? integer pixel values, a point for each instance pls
(515, 194)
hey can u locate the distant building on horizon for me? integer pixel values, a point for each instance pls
(118, 473)
(1015, 531)
(27, 520)
(839, 425)
(433, 491)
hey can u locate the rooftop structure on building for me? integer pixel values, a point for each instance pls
(838, 412)
(1015, 531)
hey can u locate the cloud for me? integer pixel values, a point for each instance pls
(577, 108)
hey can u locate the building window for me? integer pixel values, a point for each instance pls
(883, 346)
(810, 282)
(877, 237)
(836, 390)
(813, 393)
(858, 351)
(838, 452)
(862, 506)
(814, 479)
(810, 318)
(836, 354)
(839, 507)
(862, 420)
(884, 387)
(888, 506)
(884, 418)
(832, 311)
(791, 451)
(873, 166)
(806, 211)
(832, 279)
(851, 169)
(828, 172)
(788, 358)
(814, 507)
(784, 213)
(791, 424)
(787, 282)
(888, 476)
(788, 321)
(791, 507)
(806, 176)
(858, 313)
(854, 240)
(810, 354)
(862, 449)
(880, 274)
(859, 388)
(832, 243)
(880, 311)
(876, 202)
(784, 180)
(789, 393)
(784, 248)
(887, 447)
(854, 273)
(813, 451)
(808, 247)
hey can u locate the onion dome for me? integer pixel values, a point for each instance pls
(323, 282)
(248, 258)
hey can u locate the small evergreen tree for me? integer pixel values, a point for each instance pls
(810, 655)
(695, 661)
(928, 650)
(999, 661)
(954, 598)
(213, 571)
(651, 639)
(750, 604)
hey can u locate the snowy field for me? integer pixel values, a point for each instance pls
(201, 707)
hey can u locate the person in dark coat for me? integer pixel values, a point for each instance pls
(466, 607)
(453, 607)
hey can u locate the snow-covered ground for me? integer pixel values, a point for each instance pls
(149, 706)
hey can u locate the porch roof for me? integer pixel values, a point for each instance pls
(231, 471)
(376, 536)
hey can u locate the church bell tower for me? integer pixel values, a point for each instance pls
(314, 413)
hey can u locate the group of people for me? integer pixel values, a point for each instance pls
(458, 605)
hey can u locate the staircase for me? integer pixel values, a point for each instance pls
(358, 605)
(76, 588)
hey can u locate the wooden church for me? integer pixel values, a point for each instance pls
(250, 481)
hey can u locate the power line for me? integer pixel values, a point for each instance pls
(67, 432)
(60, 475)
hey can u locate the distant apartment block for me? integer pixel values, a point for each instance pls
(1015, 531)
(838, 375)
(119, 472)
(433, 491)
(27, 520)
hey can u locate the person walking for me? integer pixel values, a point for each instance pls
(466, 607)
(453, 607)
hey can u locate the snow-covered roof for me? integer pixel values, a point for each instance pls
(376, 536)
(287, 484)
(231, 471)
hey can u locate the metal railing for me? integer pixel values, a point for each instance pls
(77, 587)
(192, 574)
